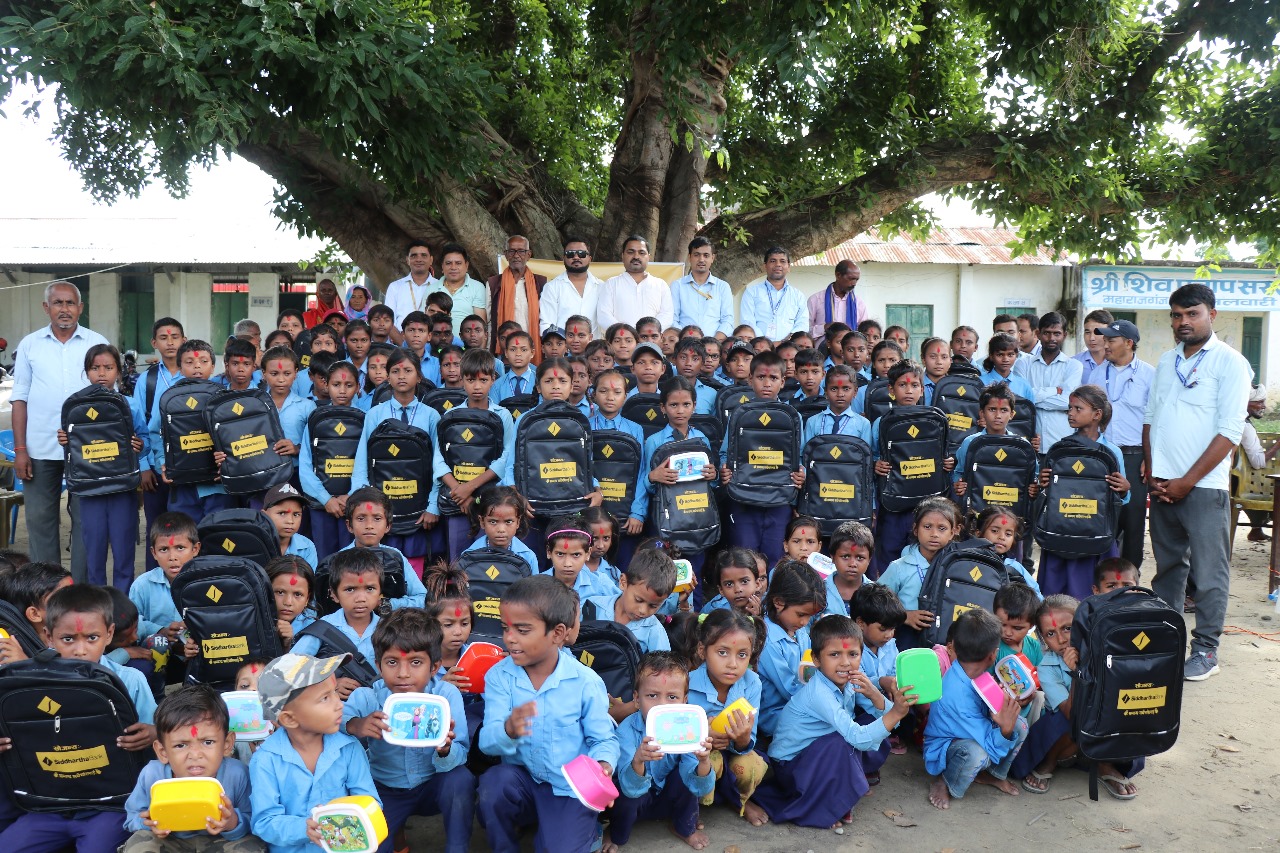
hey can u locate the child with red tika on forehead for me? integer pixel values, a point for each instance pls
(369, 522)
(174, 543)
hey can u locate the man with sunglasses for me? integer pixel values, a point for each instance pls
(574, 292)
(1094, 352)
(1194, 419)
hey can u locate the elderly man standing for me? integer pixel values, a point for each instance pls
(515, 295)
(635, 293)
(1195, 417)
(49, 368)
(837, 302)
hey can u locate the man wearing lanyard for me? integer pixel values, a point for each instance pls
(699, 298)
(409, 294)
(1127, 381)
(1053, 376)
(1195, 417)
(837, 303)
(773, 307)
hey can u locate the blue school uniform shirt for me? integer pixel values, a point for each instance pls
(905, 576)
(1055, 679)
(779, 668)
(590, 584)
(417, 414)
(1017, 384)
(234, 777)
(572, 719)
(619, 423)
(585, 407)
(881, 662)
(828, 422)
(338, 619)
(136, 686)
(415, 594)
(155, 446)
(821, 708)
(631, 734)
(929, 385)
(404, 767)
(607, 569)
(500, 466)
(717, 603)
(284, 791)
(151, 594)
(664, 436)
(648, 631)
(836, 605)
(294, 412)
(518, 548)
(961, 715)
(506, 384)
(705, 695)
(1014, 566)
(705, 399)
(164, 381)
(301, 546)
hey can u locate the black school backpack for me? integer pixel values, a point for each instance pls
(470, 440)
(188, 446)
(616, 456)
(553, 459)
(1077, 513)
(685, 513)
(246, 534)
(99, 454)
(962, 576)
(490, 572)
(245, 425)
(913, 440)
(963, 367)
(333, 642)
(229, 608)
(383, 392)
(334, 432)
(445, 399)
(518, 404)
(839, 482)
(645, 411)
(399, 463)
(956, 396)
(764, 450)
(609, 650)
(393, 580)
(15, 624)
(809, 406)
(877, 402)
(64, 717)
(730, 398)
(1024, 418)
(713, 429)
(997, 470)
(1127, 695)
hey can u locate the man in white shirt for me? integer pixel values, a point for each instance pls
(773, 308)
(633, 294)
(1053, 376)
(49, 368)
(1194, 419)
(576, 291)
(409, 294)
(700, 299)
(837, 302)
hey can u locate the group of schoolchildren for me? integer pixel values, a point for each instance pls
(811, 653)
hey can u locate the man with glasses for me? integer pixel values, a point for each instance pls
(1095, 342)
(1194, 419)
(634, 293)
(514, 296)
(409, 294)
(699, 298)
(575, 292)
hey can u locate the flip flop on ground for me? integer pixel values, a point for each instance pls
(1118, 787)
(1037, 783)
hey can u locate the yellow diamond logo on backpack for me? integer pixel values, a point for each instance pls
(960, 391)
(1142, 640)
(214, 594)
(49, 706)
(92, 414)
(1078, 467)
(913, 430)
(764, 419)
(835, 453)
(554, 429)
(976, 574)
(651, 414)
(340, 429)
(228, 545)
(492, 573)
(238, 409)
(448, 404)
(393, 450)
(606, 451)
(587, 659)
(467, 435)
(1000, 454)
(192, 402)
(743, 399)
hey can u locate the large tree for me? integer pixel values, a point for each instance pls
(1088, 123)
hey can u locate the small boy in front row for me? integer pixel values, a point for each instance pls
(306, 761)
(963, 741)
(542, 709)
(193, 739)
(414, 781)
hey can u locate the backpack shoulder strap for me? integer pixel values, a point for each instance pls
(331, 636)
(153, 376)
(589, 611)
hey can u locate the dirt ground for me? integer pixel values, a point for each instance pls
(1215, 790)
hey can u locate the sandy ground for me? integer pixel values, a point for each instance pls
(1215, 790)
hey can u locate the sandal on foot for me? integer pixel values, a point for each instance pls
(1111, 782)
(1031, 788)
(896, 746)
(873, 778)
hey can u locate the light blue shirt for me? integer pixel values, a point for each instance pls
(708, 306)
(705, 399)
(46, 372)
(836, 603)
(293, 419)
(828, 422)
(135, 684)
(1045, 380)
(572, 720)
(779, 668)
(818, 709)
(151, 594)
(233, 775)
(404, 767)
(419, 415)
(301, 546)
(905, 576)
(1016, 383)
(506, 384)
(619, 423)
(1014, 566)
(470, 296)
(415, 593)
(285, 791)
(1184, 420)
(1129, 389)
(664, 436)
(648, 631)
(500, 466)
(631, 734)
(717, 603)
(589, 584)
(1087, 364)
(338, 619)
(772, 313)
(962, 715)
(705, 695)
(1055, 679)
(164, 381)
(880, 663)
(518, 548)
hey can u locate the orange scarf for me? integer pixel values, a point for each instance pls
(507, 306)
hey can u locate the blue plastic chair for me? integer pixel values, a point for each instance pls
(6, 449)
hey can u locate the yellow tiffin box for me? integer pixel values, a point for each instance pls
(184, 805)
(720, 725)
(351, 824)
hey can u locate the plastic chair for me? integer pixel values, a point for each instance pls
(7, 451)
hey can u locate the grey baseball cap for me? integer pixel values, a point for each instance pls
(288, 675)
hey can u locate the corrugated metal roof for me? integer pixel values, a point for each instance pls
(944, 246)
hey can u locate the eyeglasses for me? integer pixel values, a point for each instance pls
(577, 253)
(517, 251)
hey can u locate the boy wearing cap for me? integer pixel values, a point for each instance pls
(1127, 381)
(284, 505)
(306, 762)
(737, 362)
(554, 342)
(648, 365)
